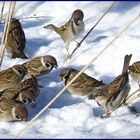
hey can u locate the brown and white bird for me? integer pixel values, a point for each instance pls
(83, 85)
(29, 91)
(26, 92)
(113, 95)
(134, 71)
(71, 30)
(11, 110)
(41, 65)
(12, 76)
(16, 40)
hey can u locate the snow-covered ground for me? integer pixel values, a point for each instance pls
(74, 116)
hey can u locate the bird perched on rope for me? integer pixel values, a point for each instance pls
(12, 76)
(113, 95)
(41, 65)
(16, 41)
(11, 110)
(83, 85)
(134, 71)
(71, 30)
(26, 92)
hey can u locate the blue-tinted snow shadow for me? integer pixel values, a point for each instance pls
(30, 23)
(122, 7)
(33, 45)
(98, 111)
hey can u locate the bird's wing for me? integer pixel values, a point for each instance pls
(84, 81)
(18, 38)
(116, 86)
(34, 65)
(6, 105)
(64, 27)
(5, 76)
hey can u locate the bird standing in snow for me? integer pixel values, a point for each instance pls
(16, 41)
(83, 85)
(113, 95)
(71, 30)
(12, 76)
(41, 65)
(26, 92)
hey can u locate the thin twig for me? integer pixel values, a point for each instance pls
(6, 30)
(79, 73)
(2, 8)
(79, 44)
(132, 97)
(32, 17)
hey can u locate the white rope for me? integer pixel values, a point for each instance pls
(84, 68)
(2, 8)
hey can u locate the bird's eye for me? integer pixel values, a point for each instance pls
(65, 76)
(47, 65)
(18, 117)
(20, 71)
(26, 101)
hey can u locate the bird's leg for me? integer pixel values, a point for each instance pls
(33, 104)
(139, 86)
(67, 49)
(107, 114)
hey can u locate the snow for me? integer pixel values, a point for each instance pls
(74, 116)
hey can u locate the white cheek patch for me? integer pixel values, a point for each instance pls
(50, 67)
(43, 63)
(13, 112)
(20, 97)
(16, 71)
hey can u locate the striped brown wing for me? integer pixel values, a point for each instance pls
(17, 39)
(5, 76)
(84, 81)
(116, 86)
(34, 66)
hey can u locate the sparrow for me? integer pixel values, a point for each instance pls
(16, 41)
(41, 65)
(71, 30)
(83, 85)
(111, 96)
(11, 110)
(29, 90)
(25, 96)
(25, 92)
(12, 76)
(134, 71)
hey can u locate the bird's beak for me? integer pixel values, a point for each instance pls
(33, 104)
(76, 21)
(55, 66)
(25, 119)
(59, 78)
(40, 86)
(44, 27)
